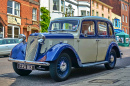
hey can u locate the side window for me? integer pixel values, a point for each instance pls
(102, 28)
(110, 30)
(88, 27)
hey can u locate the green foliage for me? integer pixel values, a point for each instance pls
(45, 19)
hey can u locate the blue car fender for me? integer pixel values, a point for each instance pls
(114, 46)
(54, 52)
(19, 51)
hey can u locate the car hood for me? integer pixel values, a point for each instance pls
(55, 35)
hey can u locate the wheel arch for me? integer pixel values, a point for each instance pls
(57, 49)
(114, 46)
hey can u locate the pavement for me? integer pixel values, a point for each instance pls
(114, 77)
(118, 77)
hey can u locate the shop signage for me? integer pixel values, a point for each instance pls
(14, 20)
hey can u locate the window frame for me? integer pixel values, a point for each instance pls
(123, 6)
(126, 19)
(34, 14)
(58, 6)
(81, 36)
(126, 7)
(123, 18)
(112, 30)
(13, 8)
(83, 11)
(13, 29)
(106, 29)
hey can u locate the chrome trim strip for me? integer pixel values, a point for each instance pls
(29, 62)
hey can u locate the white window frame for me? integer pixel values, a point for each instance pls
(123, 18)
(13, 8)
(59, 6)
(13, 29)
(34, 14)
(122, 6)
(126, 7)
(83, 11)
(126, 19)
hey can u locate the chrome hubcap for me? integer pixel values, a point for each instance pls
(112, 58)
(63, 66)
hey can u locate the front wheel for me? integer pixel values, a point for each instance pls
(112, 60)
(21, 72)
(61, 68)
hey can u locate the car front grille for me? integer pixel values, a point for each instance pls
(32, 48)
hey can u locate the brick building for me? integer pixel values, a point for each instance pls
(101, 9)
(19, 17)
(121, 8)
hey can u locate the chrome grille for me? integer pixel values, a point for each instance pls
(32, 46)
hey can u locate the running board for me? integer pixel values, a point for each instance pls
(92, 64)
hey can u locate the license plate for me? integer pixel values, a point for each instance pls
(25, 66)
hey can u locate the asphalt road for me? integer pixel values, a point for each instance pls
(42, 78)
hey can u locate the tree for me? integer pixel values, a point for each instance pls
(45, 19)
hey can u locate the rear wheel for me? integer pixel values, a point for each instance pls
(61, 68)
(112, 60)
(20, 72)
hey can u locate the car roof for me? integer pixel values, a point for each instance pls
(83, 17)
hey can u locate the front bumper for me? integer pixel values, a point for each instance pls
(29, 62)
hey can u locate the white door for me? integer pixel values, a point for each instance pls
(87, 42)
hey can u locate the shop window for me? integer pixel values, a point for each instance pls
(13, 8)
(34, 14)
(88, 28)
(56, 5)
(83, 13)
(102, 28)
(16, 32)
(9, 32)
(13, 31)
(1, 31)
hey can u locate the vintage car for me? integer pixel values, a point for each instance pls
(70, 42)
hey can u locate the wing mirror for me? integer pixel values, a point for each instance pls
(22, 37)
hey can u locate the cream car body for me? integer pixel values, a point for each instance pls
(70, 42)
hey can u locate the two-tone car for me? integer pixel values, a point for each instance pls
(70, 42)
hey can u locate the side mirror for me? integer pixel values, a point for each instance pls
(22, 37)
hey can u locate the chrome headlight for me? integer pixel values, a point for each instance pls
(41, 38)
(22, 37)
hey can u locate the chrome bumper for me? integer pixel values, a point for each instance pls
(29, 62)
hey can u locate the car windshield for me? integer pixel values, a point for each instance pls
(64, 25)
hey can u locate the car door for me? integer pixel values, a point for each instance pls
(87, 42)
(102, 29)
(3, 47)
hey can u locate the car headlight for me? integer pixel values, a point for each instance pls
(41, 38)
(22, 37)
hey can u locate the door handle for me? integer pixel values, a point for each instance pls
(97, 40)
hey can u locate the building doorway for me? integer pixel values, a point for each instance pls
(1, 31)
(26, 33)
